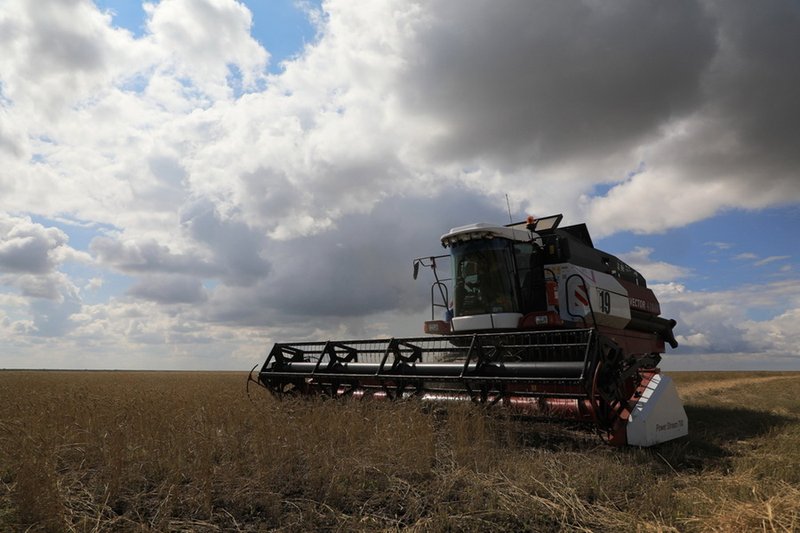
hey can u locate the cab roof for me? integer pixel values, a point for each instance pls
(482, 230)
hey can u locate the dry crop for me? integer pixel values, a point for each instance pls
(138, 451)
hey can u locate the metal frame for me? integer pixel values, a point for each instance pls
(557, 363)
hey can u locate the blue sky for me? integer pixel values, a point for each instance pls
(185, 182)
(730, 249)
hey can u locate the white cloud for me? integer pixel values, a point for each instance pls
(202, 40)
(697, 340)
(771, 259)
(659, 271)
(51, 286)
(747, 256)
(51, 62)
(94, 284)
(253, 196)
(667, 289)
(719, 245)
(779, 335)
(721, 321)
(384, 97)
(169, 289)
(30, 256)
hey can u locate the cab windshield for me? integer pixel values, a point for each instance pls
(483, 276)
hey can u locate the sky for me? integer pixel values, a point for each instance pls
(185, 182)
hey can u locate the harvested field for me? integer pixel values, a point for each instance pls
(140, 451)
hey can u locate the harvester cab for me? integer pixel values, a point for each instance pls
(533, 318)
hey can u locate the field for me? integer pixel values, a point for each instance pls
(137, 451)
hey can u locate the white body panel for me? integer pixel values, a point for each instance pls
(582, 290)
(487, 321)
(658, 416)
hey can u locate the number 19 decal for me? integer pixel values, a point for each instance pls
(605, 301)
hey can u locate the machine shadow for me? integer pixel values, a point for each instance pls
(713, 432)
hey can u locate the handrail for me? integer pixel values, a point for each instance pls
(439, 283)
(445, 294)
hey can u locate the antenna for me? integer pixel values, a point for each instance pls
(508, 205)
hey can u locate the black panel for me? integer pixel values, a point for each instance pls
(579, 232)
(574, 245)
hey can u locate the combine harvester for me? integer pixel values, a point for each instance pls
(540, 322)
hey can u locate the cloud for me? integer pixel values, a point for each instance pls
(639, 258)
(747, 256)
(51, 317)
(724, 322)
(779, 335)
(31, 256)
(12, 137)
(512, 85)
(50, 286)
(27, 247)
(238, 250)
(94, 284)
(217, 248)
(147, 256)
(49, 60)
(204, 39)
(732, 148)
(719, 246)
(292, 204)
(771, 259)
(169, 289)
(360, 268)
(398, 97)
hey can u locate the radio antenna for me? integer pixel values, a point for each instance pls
(508, 205)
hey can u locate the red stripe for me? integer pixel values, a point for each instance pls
(581, 298)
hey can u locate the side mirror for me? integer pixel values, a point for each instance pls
(416, 269)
